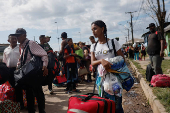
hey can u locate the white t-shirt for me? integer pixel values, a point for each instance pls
(102, 50)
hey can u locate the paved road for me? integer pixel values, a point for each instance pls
(134, 101)
(58, 102)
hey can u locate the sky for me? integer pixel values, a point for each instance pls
(52, 17)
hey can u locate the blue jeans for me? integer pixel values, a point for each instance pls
(136, 55)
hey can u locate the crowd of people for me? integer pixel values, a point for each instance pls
(135, 51)
(69, 62)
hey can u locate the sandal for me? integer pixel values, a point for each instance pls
(68, 92)
(76, 90)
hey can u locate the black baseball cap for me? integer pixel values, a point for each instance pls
(150, 25)
(20, 31)
(64, 35)
(42, 36)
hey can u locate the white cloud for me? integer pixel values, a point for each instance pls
(73, 14)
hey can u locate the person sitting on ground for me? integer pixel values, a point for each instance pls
(71, 66)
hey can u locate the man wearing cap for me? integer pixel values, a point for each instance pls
(37, 50)
(44, 43)
(47, 48)
(11, 56)
(48, 38)
(155, 48)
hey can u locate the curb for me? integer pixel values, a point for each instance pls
(156, 106)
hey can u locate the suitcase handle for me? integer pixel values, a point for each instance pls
(90, 95)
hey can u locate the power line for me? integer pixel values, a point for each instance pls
(139, 12)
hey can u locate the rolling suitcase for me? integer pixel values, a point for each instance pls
(90, 103)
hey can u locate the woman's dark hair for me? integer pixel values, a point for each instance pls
(101, 24)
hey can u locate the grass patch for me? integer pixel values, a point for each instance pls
(165, 66)
(163, 94)
(138, 66)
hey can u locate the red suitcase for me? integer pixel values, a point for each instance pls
(160, 80)
(90, 104)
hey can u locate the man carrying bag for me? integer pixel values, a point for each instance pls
(34, 50)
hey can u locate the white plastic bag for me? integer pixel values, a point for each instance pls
(101, 70)
(112, 85)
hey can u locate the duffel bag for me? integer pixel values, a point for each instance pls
(30, 73)
(160, 80)
(90, 104)
(8, 106)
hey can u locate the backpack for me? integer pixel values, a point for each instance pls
(53, 63)
(149, 72)
(53, 68)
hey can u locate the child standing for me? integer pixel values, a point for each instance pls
(71, 65)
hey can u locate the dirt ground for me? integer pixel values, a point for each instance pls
(133, 101)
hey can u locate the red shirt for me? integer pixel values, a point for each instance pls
(69, 59)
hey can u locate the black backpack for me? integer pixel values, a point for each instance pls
(53, 68)
(149, 72)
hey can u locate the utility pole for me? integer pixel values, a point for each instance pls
(34, 38)
(126, 39)
(128, 33)
(131, 24)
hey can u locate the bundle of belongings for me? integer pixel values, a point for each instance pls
(114, 80)
(8, 102)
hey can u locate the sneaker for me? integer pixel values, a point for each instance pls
(51, 92)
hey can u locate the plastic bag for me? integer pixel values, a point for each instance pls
(112, 85)
(101, 70)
